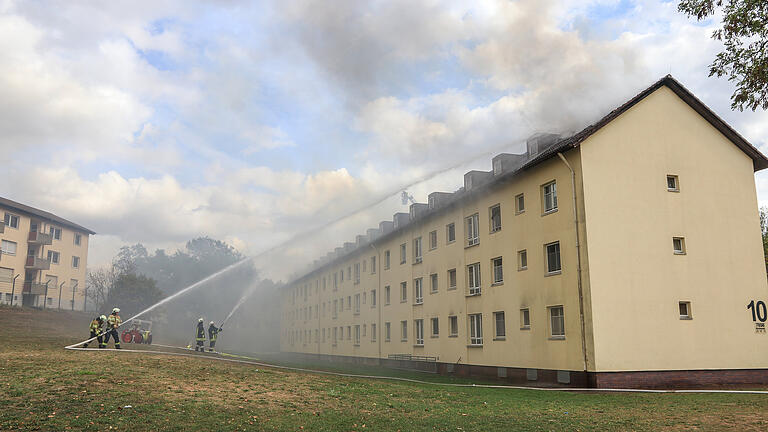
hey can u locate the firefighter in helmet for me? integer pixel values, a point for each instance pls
(96, 328)
(113, 322)
(200, 336)
(213, 333)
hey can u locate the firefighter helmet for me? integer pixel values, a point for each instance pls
(213, 323)
(116, 310)
(200, 320)
(102, 318)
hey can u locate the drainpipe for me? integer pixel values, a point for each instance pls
(578, 260)
(13, 288)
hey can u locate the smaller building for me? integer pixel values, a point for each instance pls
(43, 260)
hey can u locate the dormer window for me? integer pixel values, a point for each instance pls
(431, 203)
(497, 167)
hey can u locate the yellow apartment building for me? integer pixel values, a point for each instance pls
(43, 260)
(626, 255)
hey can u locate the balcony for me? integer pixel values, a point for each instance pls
(34, 288)
(36, 263)
(36, 237)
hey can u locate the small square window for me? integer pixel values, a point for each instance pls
(685, 310)
(678, 245)
(673, 183)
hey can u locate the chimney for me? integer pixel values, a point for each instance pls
(539, 142)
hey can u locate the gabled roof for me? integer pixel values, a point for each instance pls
(759, 160)
(22, 208)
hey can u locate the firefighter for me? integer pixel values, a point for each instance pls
(213, 333)
(200, 336)
(96, 327)
(113, 322)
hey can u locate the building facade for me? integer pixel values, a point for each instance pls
(628, 254)
(43, 260)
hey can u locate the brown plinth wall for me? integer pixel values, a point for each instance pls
(684, 379)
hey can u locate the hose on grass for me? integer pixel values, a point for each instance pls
(233, 358)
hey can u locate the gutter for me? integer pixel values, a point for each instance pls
(578, 261)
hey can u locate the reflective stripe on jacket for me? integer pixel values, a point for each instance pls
(114, 321)
(213, 332)
(95, 326)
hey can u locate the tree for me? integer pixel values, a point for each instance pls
(98, 283)
(133, 293)
(744, 60)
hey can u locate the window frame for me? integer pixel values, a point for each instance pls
(387, 331)
(522, 259)
(682, 250)
(520, 198)
(500, 269)
(496, 334)
(8, 219)
(433, 240)
(77, 239)
(676, 180)
(475, 322)
(387, 259)
(492, 228)
(403, 253)
(450, 233)
(434, 327)
(404, 292)
(453, 326)
(418, 332)
(560, 318)
(4, 251)
(418, 291)
(452, 277)
(433, 283)
(417, 250)
(54, 254)
(553, 194)
(559, 269)
(525, 318)
(688, 315)
(474, 284)
(404, 331)
(387, 295)
(472, 230)
(75, 258)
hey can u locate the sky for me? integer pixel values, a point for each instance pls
(258, 122)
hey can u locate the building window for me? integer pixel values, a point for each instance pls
(404, 331)
(335, 309)
(373, 265)
(55, 232)
(403, 292)
(386, 295)
(433, 282)
(8, 247)
(453, 326)
(78, 239)
(357, 304)
(342, 275)
(364, 265)
(452, 279)
(373, 332)
(522, 259)
(553, 258)
(472, 230)
(673, 184)
(418, 327)
(53, 257)
(500, 326)
(386, 260)
(76, 262)
(450, 233)
(335, 281)
(417, 250)
(475, 329)
(335, 335)
(435, 324)
(11, 220)
(685, 310)
(432, 240)
(473, 274)
(349, 332)
(373, 298)
(387, 331)
(357, 335)
(402, 253)
(418, 291)
(556, 322)
(549, 196)
(357, 273)
(498, 271)
(678, 245)
(525, 319)
(495, 218)
(349, 302)
(520, 204)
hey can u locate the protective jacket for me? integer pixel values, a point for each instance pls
(200, 332)
(96, 325)
(213, 332)
(113, 321)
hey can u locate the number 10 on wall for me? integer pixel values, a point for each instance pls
(759, 312)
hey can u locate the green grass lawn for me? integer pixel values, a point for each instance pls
(44, 387)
